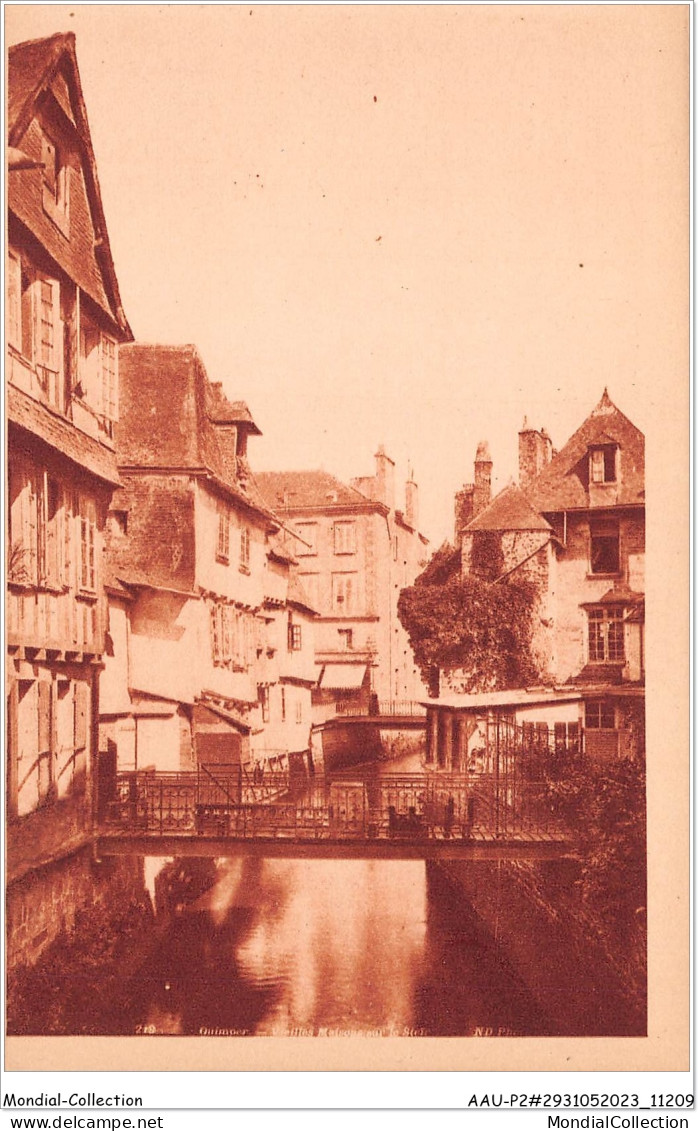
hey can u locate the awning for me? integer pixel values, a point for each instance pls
(342, 677)
(518, 697)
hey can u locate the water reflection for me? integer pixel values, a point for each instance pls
(292, 947)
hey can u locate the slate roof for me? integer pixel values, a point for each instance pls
(32, 68)
(303, 490)
(564, 485)
(61, 435)
(164, 421)
(509, 510)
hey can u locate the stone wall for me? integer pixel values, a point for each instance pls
(45, 901)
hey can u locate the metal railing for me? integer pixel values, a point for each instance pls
(480, 806)
(381, 707)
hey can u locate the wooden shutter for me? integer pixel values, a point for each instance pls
(14, 301)
(80, 724)
(27, 304)
(45, 767)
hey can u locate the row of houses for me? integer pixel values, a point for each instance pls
(573, 529)
(165, 607)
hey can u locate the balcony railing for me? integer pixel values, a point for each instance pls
(408, 708)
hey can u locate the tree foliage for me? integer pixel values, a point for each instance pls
(604, 806)
(469, 623)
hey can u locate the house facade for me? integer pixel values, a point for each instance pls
(65, 324)
(355, 551)
(192, 576)
(574, 529)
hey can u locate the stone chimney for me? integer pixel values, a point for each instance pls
(385, 478)
(535, 452)
(483, 478)
(463, 511)
(411, 502)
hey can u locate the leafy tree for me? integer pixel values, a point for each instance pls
(469, 623)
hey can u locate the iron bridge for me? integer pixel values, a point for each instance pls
(427, 815)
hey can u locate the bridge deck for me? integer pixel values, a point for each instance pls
(127, 844)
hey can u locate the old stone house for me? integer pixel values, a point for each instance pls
(65, 323)
(356, 551)
(574, 528)
(195, 584)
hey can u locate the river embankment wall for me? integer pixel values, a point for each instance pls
(534, 913)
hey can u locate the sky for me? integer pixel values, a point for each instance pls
(404, 225)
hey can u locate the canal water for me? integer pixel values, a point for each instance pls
(281, 947)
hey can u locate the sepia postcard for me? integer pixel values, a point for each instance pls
(347, 440)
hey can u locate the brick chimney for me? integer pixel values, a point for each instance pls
(385, 478)
(411, 502)
(535, 452)
(483, 477)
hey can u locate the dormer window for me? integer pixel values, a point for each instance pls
(603, 464)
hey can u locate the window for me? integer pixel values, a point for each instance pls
(396, 548)
(299, 710)
(263, 695)
(245, 549)
(599, 714)
(567, 738)
(343, 592)
(294, 636)
(232, 636)
(602, 464)
(606, 635)
(283, 704)
(345, 538)
(346, 638)
(604, 538)
(216, 614)
(309, 534)
(223, 541)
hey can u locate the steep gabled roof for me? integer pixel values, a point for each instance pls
(304, 490)
(164, 421)
(509, 510)
(32, 68)
(564, 483)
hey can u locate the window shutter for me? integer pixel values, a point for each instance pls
(31, 520)
(48, 158)
(108, 388)
(28, 305)
(44, 717)
(14, 301)
(80, 716)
